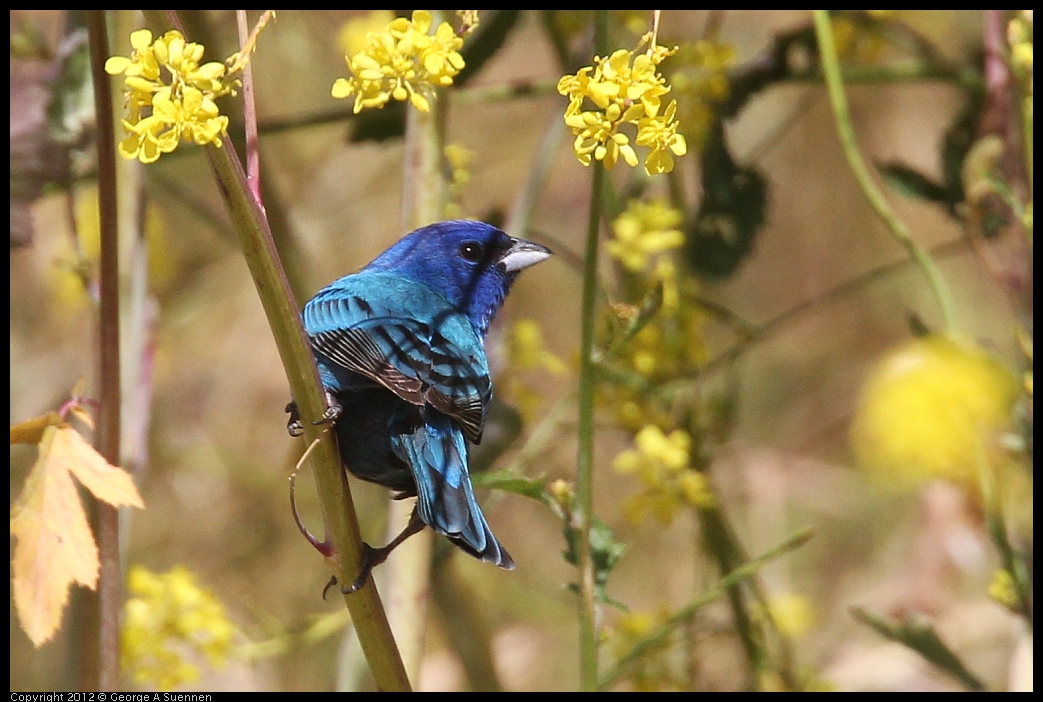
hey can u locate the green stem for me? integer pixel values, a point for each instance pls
(842, 115)
(342, 528)
(585, 457)
(110, 590)
(338, 510)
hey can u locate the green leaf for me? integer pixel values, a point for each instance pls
(534, 488)
(605, 552)
(920, 636)
(911, 183)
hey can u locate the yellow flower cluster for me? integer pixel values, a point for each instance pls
(662, 465)
(794, 614)
(353, 36)
(643, 231)
(671, 344)
(170, 95)
(169, 621)
(624, 89)
(402, 62)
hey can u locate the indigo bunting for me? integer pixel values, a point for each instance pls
(399, 346)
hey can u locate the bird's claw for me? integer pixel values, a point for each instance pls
(296, 428)
(371, 558)
(293, 424)
(333, 411)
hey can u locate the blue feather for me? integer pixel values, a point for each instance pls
(400, 346)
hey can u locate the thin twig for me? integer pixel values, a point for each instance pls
(872, 192)
(685, 613)
(521, 210)
(253, 153)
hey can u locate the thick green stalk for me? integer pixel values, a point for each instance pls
(338, 510)
(873, 193)
(585, 459)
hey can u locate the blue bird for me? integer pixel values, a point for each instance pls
(400, 351)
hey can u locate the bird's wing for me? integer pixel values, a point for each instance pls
(406, 337)
(437, 454)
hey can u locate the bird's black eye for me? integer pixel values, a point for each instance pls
(472, 251)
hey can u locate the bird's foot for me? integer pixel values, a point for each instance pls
(333, 410)
(296, 428)
(293, 424)
(372, 557)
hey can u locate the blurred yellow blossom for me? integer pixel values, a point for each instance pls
(352, 37)
(458, 159)
(933, 408)
(1003, 590)
(1020, 38)
(170, 622)
(624, 88)
(860, 34)
(700, 82)
(644, 230)
(793, 614)
(657, 670)
(526, 351)
(662, 463)
(403, 62)
(673, 343)
(170, 95)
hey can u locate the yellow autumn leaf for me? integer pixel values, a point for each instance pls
(54, 545)
(107, 482)
(31, 430)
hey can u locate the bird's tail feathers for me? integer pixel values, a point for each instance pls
(437, 453)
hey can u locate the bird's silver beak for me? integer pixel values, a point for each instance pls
(523, 254)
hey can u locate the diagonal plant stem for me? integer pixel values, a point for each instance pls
(280, 307)
(725, 584)
(342, 528)
(872, 192)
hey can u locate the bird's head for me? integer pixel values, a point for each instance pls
(472, 264)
